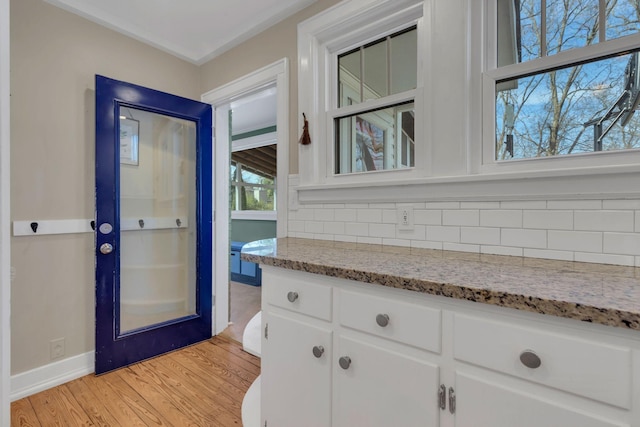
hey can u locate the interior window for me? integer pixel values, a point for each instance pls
(371, 134)
(566, 107)
(253, 179)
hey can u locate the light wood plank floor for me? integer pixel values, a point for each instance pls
(202, 385)
(244, 304)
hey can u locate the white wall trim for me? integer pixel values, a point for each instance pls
(221, 97)
(5, 218)
(51, 375)
(255, 215)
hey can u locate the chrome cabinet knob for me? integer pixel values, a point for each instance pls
(292, 296)
(530, 359)
(106, 248)
(318, 351)
(382, 320)
(344, 362)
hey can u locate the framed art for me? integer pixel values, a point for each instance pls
(129, 133)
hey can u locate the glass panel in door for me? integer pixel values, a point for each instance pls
(157, 218)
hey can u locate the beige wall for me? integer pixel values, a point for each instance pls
(54, 57)
(277, 42)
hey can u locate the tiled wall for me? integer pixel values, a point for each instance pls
(599, 231)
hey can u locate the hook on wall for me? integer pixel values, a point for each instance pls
(93, 225)
(141, 223)
(178, 222)
(34, 226)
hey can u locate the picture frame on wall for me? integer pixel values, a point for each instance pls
(129, 133)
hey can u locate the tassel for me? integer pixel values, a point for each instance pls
(305, 139)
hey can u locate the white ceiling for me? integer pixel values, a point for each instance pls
(194, 30)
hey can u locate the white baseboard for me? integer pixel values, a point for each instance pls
(47, 376)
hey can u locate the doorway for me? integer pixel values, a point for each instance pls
(222, 98)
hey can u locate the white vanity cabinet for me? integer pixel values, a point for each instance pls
(394, 357)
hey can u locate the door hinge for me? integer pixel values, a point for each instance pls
(266, 331)
(452, 400)
(442, 397)
(265, 423)
(213, 301)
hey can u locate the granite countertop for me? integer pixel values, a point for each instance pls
(597, 293)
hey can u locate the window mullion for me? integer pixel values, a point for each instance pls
(543, 28)
(602, 20)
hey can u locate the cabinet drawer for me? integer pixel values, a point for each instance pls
(297, 292)
(407, 323)
(587, 368)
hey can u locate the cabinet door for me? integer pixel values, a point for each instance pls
(296, 381)
(382, 388)
(481, 403)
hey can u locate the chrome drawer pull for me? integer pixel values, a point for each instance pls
(318, 351)
(292, 296)
(344, 362)
(530, 359)
(382, 320)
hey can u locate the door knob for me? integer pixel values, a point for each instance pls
(106, 248)
(382, 320)
(292, 296)
(318, 351)
(344, 362)
(530, 359)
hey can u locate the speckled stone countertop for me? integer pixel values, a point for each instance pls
(596, 293)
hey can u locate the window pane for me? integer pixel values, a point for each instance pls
(622, 18)
(404, 61)
(376, 140)
(571, 24)
(256, 198)
(577, 109)
(349, 79)
(509, 22)
(376, 75)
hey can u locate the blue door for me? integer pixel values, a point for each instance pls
(153, 223)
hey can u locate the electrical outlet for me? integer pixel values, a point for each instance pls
(56, 348)
(405, 217)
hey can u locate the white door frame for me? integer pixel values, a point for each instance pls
(5, 214)
(220, 98)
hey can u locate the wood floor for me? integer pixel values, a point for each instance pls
(244, 303)
(202, 385)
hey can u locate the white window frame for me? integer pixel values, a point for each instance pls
(602, 162)
(320, 40)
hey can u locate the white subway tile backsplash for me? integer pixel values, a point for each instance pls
(547, 220)
(622, 243)
(501, 250)
(315, 227)
(574, 204)
(443, 234)
(345, 215)
(548, 254)
(346, 239)
(305, 214)
(370, 240)
(604, 258)
(296, 226)
(369, 215)
(426, 244)
(603, 220)
(480, 235)
(467, 218)
(396, 242)
(356, 229)
(334, 227)
(524, 238)
(597, 231)
(585, 241)
(427, 217)
(442, 205)
(621, 204)
(480, 205)
(389, 216)
(419, 232)
(324, 214)
(382, 230)
(501, 218)
(460, 247)
(523, 204)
